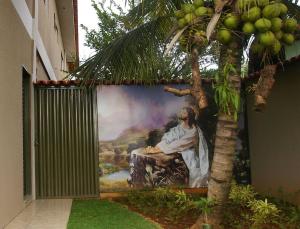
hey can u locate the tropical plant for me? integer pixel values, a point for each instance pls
(135, 51)
(225, 142)
(205, 205)
(294, 216)
(226, 96)
(139, 55)
(174, 204)
(246, 209)
(111, 25)
(263, 212)
(241, 194)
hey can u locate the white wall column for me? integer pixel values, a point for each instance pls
(34, 78)
(31, 26)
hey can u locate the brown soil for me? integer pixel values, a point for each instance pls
(162, 219)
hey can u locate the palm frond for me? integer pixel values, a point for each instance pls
(293, 8)
(135, 56)
(154, 8)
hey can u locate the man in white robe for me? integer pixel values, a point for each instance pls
(182, 139)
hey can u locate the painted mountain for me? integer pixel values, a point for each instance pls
(126, 115)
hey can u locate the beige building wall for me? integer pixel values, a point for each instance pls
(274, 137)
(50, 31)
(15, 51)
(41, 72)
(20, 44)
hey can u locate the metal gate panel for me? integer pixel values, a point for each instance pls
(66, 142)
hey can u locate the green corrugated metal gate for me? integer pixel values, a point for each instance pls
(66, 142)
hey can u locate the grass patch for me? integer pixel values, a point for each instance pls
(103, 214)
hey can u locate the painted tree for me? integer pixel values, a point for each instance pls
(165, 36)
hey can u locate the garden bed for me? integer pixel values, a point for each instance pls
(174, 209)
(162, 218)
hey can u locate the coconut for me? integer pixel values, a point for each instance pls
(181, 23)
(271, 11)
(276, 47)
(198, 3)
(288, 38)
(289, 25)
(283, 9)
(231, 21)
(179, 13)
(276, 24)
(188, 8)
(257, 48)
(200, 11)
(224, 36)
(267, 38)
(189, 18)
(263, 24)
(278, 35)
(252, 15)
(248, 28)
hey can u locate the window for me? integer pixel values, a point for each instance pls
(26, 134)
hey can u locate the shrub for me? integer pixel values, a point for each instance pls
(246, 209)
(174, 204)
(263, 212)
(206, 206)
(293, 216)
(141, 200)
(241, 194)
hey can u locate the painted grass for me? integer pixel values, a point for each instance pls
(103, 214)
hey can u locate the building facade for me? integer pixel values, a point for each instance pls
(38, 41)
(274, 139)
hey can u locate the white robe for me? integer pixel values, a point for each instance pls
(182, 140)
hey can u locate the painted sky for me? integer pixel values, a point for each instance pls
(123, 107)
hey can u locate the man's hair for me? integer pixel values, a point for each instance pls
(191, 116)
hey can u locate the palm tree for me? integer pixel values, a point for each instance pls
(227, 127)
(225, 141)
(138, 56)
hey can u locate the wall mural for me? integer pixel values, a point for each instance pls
(150, 138)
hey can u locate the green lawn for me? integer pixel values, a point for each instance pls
(88, 214)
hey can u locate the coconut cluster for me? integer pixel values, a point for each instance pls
(268, 21)
(195, 16)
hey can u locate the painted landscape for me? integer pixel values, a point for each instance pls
(130, 117)
(114, 158)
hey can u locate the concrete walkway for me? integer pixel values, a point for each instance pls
(43, 214)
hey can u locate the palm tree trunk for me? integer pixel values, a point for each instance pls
(225, 144)
(222, 166)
